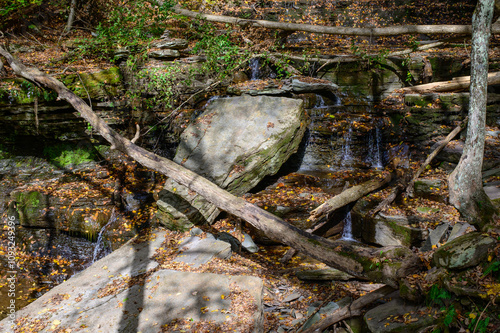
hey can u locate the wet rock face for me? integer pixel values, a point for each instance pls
(235, 143)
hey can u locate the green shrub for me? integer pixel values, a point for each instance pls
(64, 154)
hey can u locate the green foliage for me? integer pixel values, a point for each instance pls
(438, 296)
(65, 154)
(223, 56)
(7, 7)
(376, 61)
(160, 82)
(477, 324)
(4, 152)
(494, 269)
(127, 26)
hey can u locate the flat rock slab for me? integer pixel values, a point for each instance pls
(115, 295)
(388, 317)
(493, 190)
(197, 251)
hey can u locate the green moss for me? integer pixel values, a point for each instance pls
(315, 242)
(98, 85)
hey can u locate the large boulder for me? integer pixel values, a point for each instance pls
(235, 143)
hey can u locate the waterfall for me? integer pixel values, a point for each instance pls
(374, 149)
(255, 69)
(99, 247)
(347, 232)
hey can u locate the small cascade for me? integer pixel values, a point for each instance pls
(375, 149)
(255, 69)
(347, 156)
(320, 103)
(347, 232)
(100, 250)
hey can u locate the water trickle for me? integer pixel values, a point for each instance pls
(255, 69)
(347, 156)
(320, 102)
(100, 250)
(347, 232)
(375, 148)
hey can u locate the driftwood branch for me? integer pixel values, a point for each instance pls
(352, 310)
(346, 197)
(355, 259)
(428, 160)
(347, 31)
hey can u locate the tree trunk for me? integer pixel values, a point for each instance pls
(387, 265)
(465, 182)
(347, 31)
(71, 17)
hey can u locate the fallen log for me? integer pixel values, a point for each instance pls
(347, 31)
(348, 196)
(387, 265)
(428, 160)
(352, 310)
(456, 84)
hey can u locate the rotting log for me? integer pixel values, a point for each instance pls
(387, 265)
(348, 196)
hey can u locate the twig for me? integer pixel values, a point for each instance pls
(479, 318)
(36, 114)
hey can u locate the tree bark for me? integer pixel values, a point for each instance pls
(71, 17)
(465, 182)
(347, 31)
(387, 265)
(458, 83)
(346, 197)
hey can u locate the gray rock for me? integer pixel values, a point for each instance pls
(195, 232)
(378, 319)
(459, 229)
(172, 44)
(427, 188)
(435, 236)
(465, 251)
(306, 84)
(164, 54)
(493, 190)
(386, 230)
(165, 295)
(230, 239)
(248, 244)
(235, 143)
(197, 251)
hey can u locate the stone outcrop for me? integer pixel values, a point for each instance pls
(235, 143)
